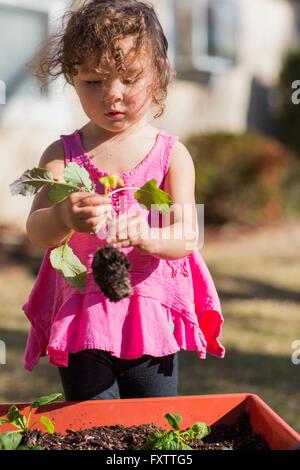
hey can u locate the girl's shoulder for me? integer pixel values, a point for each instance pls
(53, 159)
(171, 141)
(164, 133)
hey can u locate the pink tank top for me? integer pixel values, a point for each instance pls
(174, 304)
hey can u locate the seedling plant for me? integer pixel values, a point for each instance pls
(11, 440)
(76, 178)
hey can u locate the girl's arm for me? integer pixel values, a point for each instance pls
(45, 227)
(181, 235)
(49, 225)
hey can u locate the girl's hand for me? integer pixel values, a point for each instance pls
(84, 212)
(130, 229)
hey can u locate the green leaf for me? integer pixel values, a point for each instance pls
(167, 440)
(3, 420)
(31, 182)
(152, 439)
(48, 424)
(199, 430)
(150, 195)
(45, 400)
(66, 262)
(60, 191)
(10, 440)
(13, 413)
(170, 442)
(184, 446)
(174, 420)
(16, 418)
(79, 176)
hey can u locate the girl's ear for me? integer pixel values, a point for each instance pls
(71, 80)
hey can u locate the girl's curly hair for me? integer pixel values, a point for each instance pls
(91, 33)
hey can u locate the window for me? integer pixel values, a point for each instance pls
(206, 34)
(22, 32)
(24, 26)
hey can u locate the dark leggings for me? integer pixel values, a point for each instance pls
(94, 374)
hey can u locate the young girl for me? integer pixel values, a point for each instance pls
(114, 54)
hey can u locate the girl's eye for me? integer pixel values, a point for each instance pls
(131, 81)
(93, 82)
(126, 81)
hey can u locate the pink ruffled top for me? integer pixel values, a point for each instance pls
(174, 304)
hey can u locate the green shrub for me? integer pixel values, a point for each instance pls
(288, 113)
(241, 178)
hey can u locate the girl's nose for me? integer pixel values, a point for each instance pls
(113, 90)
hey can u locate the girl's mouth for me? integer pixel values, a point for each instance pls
(115, 115)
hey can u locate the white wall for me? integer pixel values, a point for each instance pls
(267, 29)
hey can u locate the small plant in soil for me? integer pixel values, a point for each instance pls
(11, 440)
(110, 266)
(175, 439)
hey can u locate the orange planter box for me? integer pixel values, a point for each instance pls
(211, 409)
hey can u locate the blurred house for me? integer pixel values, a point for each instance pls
(227, 54)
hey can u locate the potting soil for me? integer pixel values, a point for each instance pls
(238, 436)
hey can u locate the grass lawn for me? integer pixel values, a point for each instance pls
(257, 275)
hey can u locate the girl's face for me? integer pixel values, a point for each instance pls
(129, 95)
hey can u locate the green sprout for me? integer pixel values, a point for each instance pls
(11, 440)
(175, 439)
